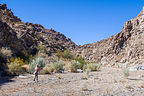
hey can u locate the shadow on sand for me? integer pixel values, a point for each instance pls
(134, 79)
(6, 79)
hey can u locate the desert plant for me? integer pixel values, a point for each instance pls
(47, 69)
(85, 67)
(15, 66)
(37, 61)
(74, 66)
(92, 67)
(59, 54)
(66, 54)
(126, 72)
(58, 66)
(81, 61)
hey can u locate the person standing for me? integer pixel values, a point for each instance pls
(36, 70)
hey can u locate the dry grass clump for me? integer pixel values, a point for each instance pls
(92, 67)
(47, 69)
(15, 66)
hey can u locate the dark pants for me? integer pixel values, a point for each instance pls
(36, 76)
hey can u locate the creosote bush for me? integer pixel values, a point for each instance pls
(54, 67)
(15, 66)
(37, 61)
(58, 66)
(74, 66)
(81, 61)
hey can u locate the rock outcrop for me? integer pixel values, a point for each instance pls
(31, 35)
(126, 46)
(21, 38)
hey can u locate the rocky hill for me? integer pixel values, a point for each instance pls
(32, 34)
(21, 38)
(125, 47)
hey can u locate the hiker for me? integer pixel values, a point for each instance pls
(36, 70)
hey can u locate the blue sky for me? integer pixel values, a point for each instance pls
(83, 21)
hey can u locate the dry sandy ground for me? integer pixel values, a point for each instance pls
(106, 82)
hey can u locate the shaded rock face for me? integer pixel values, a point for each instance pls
(126, 46)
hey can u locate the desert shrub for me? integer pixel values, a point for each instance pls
(37, 61)
(74, 66)
(85, 67)
(92, 67)
(81, 61)
(66, 54)
(58, 66)
(47, 69)
(126, 72)
(15, 66)
(59, 54)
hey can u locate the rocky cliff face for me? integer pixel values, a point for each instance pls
(125, 47)
(32, 34)
(21, 38)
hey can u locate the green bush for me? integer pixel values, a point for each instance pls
(74, 66)
(92, 67)
(81, 61)
(37, 61)
(15, 66)
(85, 67)
(66, 54)
(58, 66)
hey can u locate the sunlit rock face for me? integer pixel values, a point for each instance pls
(21, 38)
(29, 35)
(125, 47)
